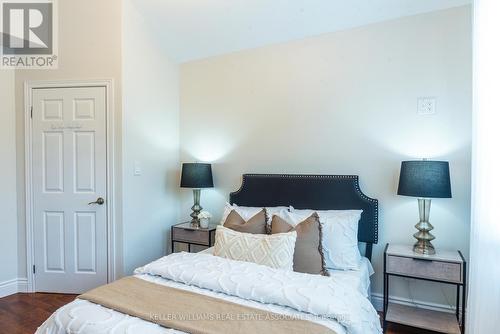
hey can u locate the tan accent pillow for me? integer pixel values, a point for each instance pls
(275, 251)
(308, 256)
(255, 225)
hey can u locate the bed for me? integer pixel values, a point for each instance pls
(338, 303)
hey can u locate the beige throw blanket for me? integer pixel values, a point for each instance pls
(191, 312)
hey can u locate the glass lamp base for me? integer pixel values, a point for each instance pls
(424, 248)
(195, 222)
(423, 236)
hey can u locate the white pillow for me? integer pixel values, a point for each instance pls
(340, 237)
(275, 251)
(273, 210)
(247, 212)
(293, 218)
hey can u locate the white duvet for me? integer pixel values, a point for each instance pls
(312, 297)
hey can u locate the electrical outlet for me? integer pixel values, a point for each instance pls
(137, 168)
(426, 105)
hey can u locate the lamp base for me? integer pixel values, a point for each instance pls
(424, 247)
(195, 222)
(423, 236)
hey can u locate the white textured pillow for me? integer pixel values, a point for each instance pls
(340, 237)
(247, 212)
(275, 251)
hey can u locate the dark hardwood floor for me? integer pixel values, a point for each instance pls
(22, 313)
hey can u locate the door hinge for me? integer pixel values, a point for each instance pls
(34, 270)
(31, 111)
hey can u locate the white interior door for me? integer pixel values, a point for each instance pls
(68, 173)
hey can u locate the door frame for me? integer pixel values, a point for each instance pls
(29, 86)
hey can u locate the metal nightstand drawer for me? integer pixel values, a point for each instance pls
(428, 269)
(194, 236)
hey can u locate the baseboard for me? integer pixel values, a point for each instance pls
(378, 302)
(22, 285)
(13, 286)
(8, 287)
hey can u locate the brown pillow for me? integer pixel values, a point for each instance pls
(308, 255)
(255, 225)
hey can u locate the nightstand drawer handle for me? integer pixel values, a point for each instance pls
(423, 260)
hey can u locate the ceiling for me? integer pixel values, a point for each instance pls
(194, 29)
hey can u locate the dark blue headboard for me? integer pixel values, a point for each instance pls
(320, 192)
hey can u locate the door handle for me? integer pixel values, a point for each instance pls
(99, 201)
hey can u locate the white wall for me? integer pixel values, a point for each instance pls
(342, 103)
(484, 287)
(89, 48)
(150, 138)
(8, 208)
(150, 129)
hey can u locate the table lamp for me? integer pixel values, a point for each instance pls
(424, 179)
(196, 176)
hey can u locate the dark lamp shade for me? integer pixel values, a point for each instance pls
(425, 179)
(196, 175)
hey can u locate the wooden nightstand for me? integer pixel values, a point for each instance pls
(448, 267)
(190, 235)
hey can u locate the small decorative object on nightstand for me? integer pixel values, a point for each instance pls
(204, 218)
(192, 235)
(196, 176)
(448, 267)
